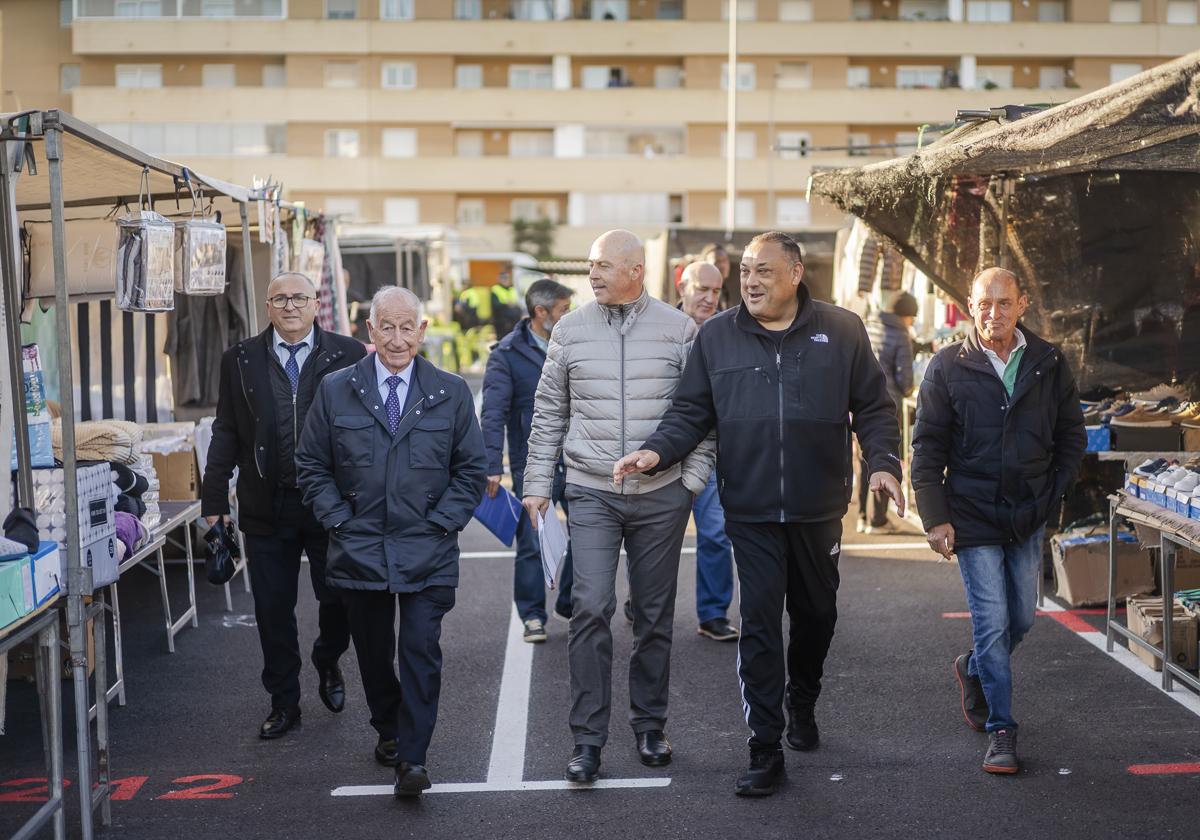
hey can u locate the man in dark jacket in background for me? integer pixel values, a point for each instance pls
(509, 383)
(267, 386)
(892, 344)
(778, 378)
(999, 438)
(392, 462)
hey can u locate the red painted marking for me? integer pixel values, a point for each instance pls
(32, 789)
(122, 790)
(1099, 611)
(1072, 622)
(219, 782)
(1164, 769)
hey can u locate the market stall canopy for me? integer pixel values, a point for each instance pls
(1094, 203)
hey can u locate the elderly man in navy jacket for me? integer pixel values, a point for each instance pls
(509, 383)
(392, 462)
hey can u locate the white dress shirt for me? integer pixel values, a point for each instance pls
(301, 355)
(999, 364)
(381, 376)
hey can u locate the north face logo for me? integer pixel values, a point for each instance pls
(821, 338)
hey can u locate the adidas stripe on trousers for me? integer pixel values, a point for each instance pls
(792, 566)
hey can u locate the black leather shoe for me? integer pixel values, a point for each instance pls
(584, 766)
(411, 779)
(802, 732)
(653, 748)
(385, 752)
(765, 775)
(330, 686)
(279, 722)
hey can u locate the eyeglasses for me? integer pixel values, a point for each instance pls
(297, 301)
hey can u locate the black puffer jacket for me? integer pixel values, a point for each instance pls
(991, 465)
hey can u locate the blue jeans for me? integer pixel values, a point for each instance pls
(529, 581)
(714, 556)
(1001, 585)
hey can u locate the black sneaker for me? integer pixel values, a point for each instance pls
(719, 629)
(1002, 752)
(974, 703)
(629, 611)
(802, 732)
(535, 630)
(765, 775)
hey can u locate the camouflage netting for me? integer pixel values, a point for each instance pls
(1103, 219)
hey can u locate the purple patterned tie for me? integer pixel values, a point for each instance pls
(393, 402)
(292, 368)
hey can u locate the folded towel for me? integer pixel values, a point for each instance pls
(102, 440)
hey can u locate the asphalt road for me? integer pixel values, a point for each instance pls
(896, 759)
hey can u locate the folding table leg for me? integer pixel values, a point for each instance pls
(166, 603)
(191, 573)
(103, 774)
(118, 646)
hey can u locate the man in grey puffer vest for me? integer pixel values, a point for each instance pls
(610, 374)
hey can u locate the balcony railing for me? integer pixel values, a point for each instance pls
(129, 9)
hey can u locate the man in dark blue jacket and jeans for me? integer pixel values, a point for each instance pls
(509, 384)
(999, 438)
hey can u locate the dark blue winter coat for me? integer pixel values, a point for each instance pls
(509, 383)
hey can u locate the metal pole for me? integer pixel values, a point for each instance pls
(731, 127)
(79, 577)
(1005, 192)
(248, 271)
(11, 281)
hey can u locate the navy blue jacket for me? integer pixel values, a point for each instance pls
(991, 465)
(394, 505)
(893, 347)
(509, 383)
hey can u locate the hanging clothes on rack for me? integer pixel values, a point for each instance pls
(880, 259)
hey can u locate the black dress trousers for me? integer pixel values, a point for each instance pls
(274, 564)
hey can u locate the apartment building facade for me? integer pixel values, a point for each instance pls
(591, 113)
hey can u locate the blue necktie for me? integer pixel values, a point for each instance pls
(292, 369)
(393, 402)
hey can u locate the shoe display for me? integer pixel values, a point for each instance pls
(1001, 755)
(385, 751)
(802, 732)
(584, 766)
(765, 774)
(1149, 467)
(719, 629)
(974, 703)
(1159, 393)
(331, 686)
(1144, 418)
(535, 630)
(411, 780)
(279, 722)
(653, 748)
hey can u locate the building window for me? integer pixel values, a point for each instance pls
(534, 209)
(858, 141)
(746, 147)
(1125, 11)
(619, 208)
(139, 75)
(341, 9)
(218, 8)
(218, 76)
(610, 9)
(794, 75)
(919, 76)
(468, 9)
(923, 10)
(341, 143)
(666, 76)
(399, 142)
(137, 8)
(533, 9)
(1121, 72)
(1181, 11)
(66, 12)
(792, 212)
(470, 211)
(796, 10)
(793, 145)
(396, 9)
(468, 144)
(743, 212)
(214, 139)
(1052, 11)
(746, 10)
(858, 77)
(993, 78)
(344, 208)
(670, 10)
(399, 75)
(531, 144)
(468, 76)
(68, 77)
(861, 10)
(1052, 78)
(530, 76)
(989, 11)
(341, 74)
(745, 75)
(274, 75)
(401, 211)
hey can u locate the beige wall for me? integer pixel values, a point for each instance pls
(704, 140)
(176, 72)
(1094, 72)
(704, 72)
(33, 49)
(704, 209)
(433, 71)
(497, 207)
(638, 71)
(434, 208)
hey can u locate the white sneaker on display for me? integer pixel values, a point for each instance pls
(1188, 483)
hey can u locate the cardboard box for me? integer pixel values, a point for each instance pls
(47, 572)
(101, 556)
(1187, 569)
(16, 590)
(178, 477)
(1099, 438)
(1194, 508)
(1145, 617)
(1081, 568)
(1131, 485)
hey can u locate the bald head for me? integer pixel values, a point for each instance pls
(997, 304)
(617, 266)
(288, 278)
(989, 276)
(700, 288)
(291, 305)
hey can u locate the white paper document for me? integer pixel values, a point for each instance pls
(553, 539)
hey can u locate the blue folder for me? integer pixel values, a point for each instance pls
(500, 515)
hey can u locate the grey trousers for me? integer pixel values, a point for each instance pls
(651, 526)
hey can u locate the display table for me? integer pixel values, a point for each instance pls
(42, 623)
(1174, 531)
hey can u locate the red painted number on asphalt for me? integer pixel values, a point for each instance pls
(122, 790)
(33, 789)
(219, 782)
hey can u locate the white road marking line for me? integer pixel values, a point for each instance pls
(517, 786)
(1124, 656)
(853, 548)
(512, 709)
